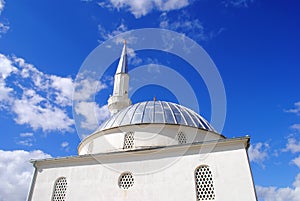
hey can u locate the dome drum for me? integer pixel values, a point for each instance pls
(143, 136)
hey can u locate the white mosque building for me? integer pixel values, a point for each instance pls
(153, 150)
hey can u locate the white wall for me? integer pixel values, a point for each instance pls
(89, 179)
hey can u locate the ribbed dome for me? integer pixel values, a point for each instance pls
(156, 112)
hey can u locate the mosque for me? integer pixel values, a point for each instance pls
(153, 150)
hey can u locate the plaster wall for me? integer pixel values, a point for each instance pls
(159, 175)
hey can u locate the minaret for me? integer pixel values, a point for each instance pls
(119, 99)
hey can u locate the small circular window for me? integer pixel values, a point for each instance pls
(126, 180)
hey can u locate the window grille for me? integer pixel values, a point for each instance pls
(204, 183)
(126, 180)
(128, 140)
(60, 187)
(181, 138)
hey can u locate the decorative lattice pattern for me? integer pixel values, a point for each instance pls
(60, 189)
(128, 140)
(204, 183)
(181, 138)
(126, 180)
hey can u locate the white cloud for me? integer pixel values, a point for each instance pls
(1, 5)
(64, 87)
(237, 3)
(295, 127)
(36, 111)
(258, 152)
(43, 101)
(26, 134)
(86, 86)
(64, 144)
(35, 98)
(106, 34)
(183, 23)
(296, 161)
(280, 194)
(296, 109)
(16, 173)
(6, 67)
(292, 145)
(5, 94)
(3, 28)
(60, 88)
(26, 142)
(92, 114)
(141, 8)
(26, 139)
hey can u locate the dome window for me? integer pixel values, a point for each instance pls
(60, 188)
(204, 183)
(128, 140)
(126, 180)
(181, 138)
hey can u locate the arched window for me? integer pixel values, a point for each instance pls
(126, 180)
(181, 138)
(128, 140)
(204, 183)
(60, 188)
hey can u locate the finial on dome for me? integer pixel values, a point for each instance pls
(154, 98)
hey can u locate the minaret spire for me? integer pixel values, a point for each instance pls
(123, 66)
(119, 99)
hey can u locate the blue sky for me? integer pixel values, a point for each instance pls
(254, 44)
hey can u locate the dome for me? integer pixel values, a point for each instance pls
(156, 112)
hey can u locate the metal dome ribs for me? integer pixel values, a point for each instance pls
(153, 112)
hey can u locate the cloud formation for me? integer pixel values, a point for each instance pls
(36, 99)
(92, 114)
(106, 34)
(188, 26)
(1, 5)
(296, 161)
(26, 139)
(280, 194)
(6, 68)
(16, 173)
(295, 110)
(3, 26)
(141, 8)
(293, 145)
(258, 152)
(237, 3)
(44, 101)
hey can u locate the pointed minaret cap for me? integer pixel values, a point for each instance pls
(122, 66)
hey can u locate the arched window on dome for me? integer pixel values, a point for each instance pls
(128, 140)
(181, 138)
(60, 188)
(204, 183)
